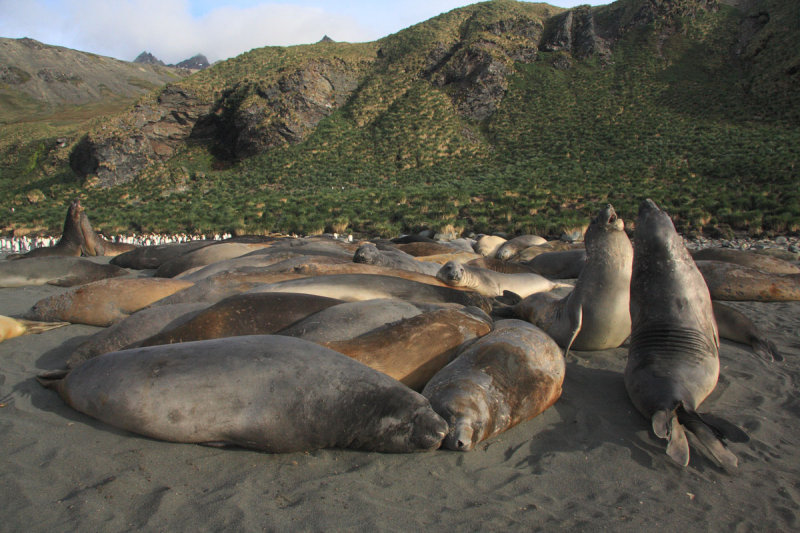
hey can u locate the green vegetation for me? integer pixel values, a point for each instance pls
(672, 114)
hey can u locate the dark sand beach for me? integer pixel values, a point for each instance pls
(589, 463)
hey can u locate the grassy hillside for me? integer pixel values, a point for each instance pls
(697, 112)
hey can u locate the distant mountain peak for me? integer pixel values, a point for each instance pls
(148, 59)
(326, 39)
(197, 62)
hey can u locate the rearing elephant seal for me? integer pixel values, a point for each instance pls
(71, 242)
(595, 315)
(673, 361)
(510, 375)
(271, 393)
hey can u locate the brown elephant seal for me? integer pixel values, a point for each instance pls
(96, 245)
(71, 241)
(354, 287)
(146, 257)
(414, 349)
(58, 271)
(244, 314)
(351, 319)
(735, 326)
(488, 245)
(101, 303)
(565, 264)
(510, 375)
(729, 281)
(266, 392)
(595, 315)
(673, 361)
(16, 327)
(514, 246)
(370, 254)
(491, 283)
(764, 263)
(205, 256)
(132, 329)
(220, 286)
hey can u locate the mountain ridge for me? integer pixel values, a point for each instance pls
(501, 114)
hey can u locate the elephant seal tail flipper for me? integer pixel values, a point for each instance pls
(34, 326)
(710, 430)
(766, 349)
(52, 379)
(666, 426)
(503, 306)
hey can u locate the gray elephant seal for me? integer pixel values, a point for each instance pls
(270, 393)
(491, 283)
(673, 361)
(154, 256)
(59, 271)
(565, 264)
(510, 375)
(595, 315)
(370, 254)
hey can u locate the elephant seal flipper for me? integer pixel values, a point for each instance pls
(736, 326)
(16, 327)
(709, 436)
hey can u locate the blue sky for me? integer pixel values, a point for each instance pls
(174, 30)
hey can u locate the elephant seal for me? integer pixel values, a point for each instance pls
(491, 283)
(351, 319)
(244, 314)
(205, 256)
(673, 360)
(595, 315)
(145, 257)
(514, 246)
(729, 281)
(414, 349)
(266, 392)
(354, 287)
(131, 330)
(95, 245)
(550, 246)
(422, 249)
(488, 245)
(71, 241)
(764, 263)
(220, 286)
(510, 375)
(566, 264)
(736, 326)
(370, 254)
(59, 271)
(101, 303)
(504, 267)
(16, 327)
